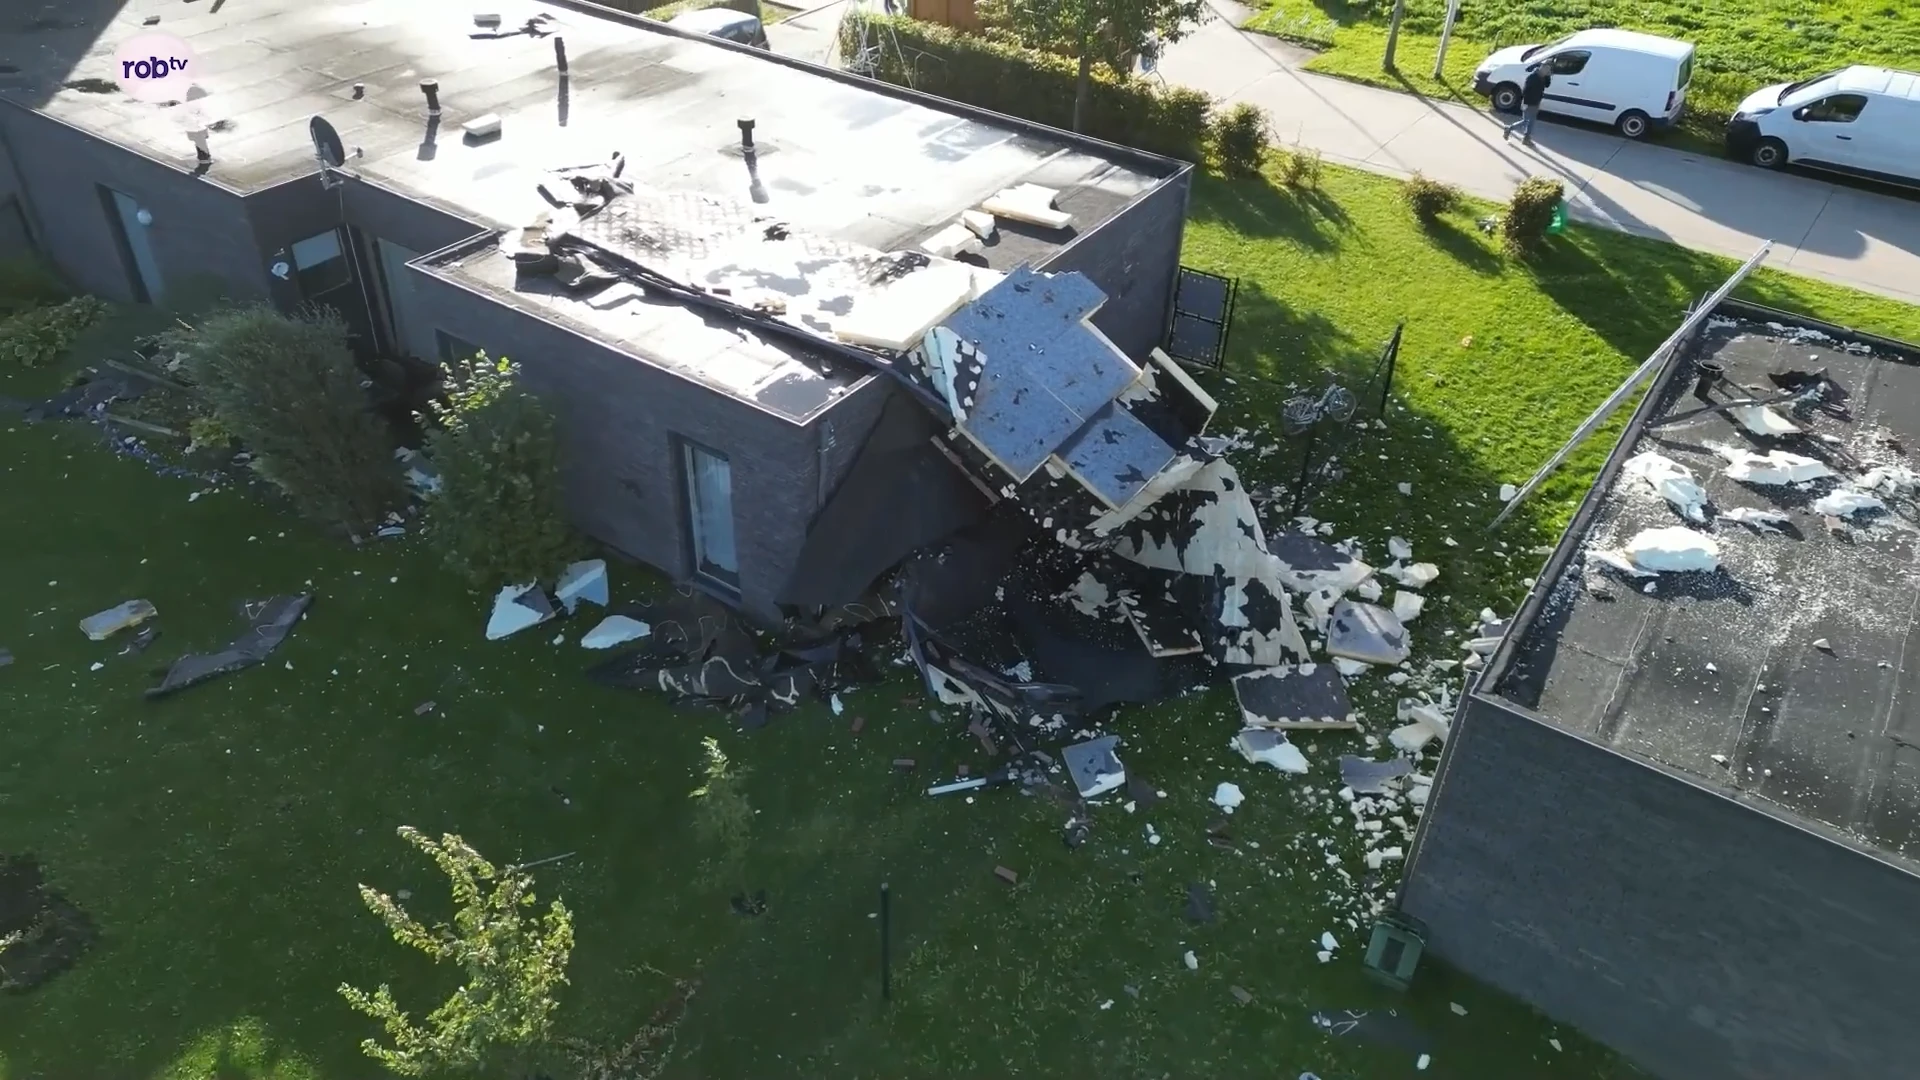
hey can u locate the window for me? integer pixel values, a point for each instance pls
(453, 349)
(320, 264)
(710, 513)
(1686, 72)
(1570, 63)
(1838, 109)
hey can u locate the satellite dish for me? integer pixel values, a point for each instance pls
(326, 143)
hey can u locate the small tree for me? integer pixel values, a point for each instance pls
(722, 816)
(512, 961)
(287, 387)
(1240, 135)
(1109, 32)
(1529, 214)
(1428, 198)
(496, 515)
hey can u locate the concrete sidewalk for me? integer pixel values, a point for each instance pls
(1837, 233)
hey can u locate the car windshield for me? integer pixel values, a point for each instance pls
(1554, 44)
(1794, 88)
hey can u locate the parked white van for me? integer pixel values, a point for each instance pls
(1634, 82)
(1859, 120)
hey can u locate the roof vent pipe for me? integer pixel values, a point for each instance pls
(560, 53)
(746, 133)
(200, 150)
(431, 88)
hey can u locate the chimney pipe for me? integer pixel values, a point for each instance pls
(200, 150)
(746, 133)
(560, 53)
(431, 88)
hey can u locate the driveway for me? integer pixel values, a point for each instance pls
(1841, 234)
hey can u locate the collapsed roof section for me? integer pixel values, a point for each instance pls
(1027, 405)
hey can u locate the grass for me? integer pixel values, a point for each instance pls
(217, 837)
(770, 13)
(1742, 46)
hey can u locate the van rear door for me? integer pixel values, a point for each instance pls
(1889, 138)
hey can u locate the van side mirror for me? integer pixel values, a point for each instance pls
(1801, 112)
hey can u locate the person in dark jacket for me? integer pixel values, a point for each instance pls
(1534, 92)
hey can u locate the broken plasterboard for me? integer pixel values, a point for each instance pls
(1094, 766)
(955, 239)
(586, 581)
(1764, 421)
(1846, 502)
(1312, 564)
(517, 607)
(1264, 747)
(1367, 777)
(1770, 469)
(1162, 626)
(614, 630)
(1672, 481)
(1367, 632)
(1303, 698)
(978, 222)
(1029, 203)
(897, 315)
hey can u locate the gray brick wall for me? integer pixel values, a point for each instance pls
(198, 228)
(622, 420)
(1134, 259)
(1701, 937)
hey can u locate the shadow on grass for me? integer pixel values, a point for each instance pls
(1268, 211)
(1460, 242)
(1275, 341)
(1632, 294)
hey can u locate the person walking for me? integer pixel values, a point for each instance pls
(1531, 94)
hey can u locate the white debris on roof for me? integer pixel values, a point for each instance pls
(1771, 468)
(1673, 549)
(1029, 203)
(1766, 521)
(1888, 480)
(955, 239)
(1846, 502)
(1764, 421)
(1673, 481)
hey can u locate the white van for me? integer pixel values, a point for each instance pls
(1859, 120)
(1631, 81)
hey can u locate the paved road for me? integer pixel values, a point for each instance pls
(1835, 232)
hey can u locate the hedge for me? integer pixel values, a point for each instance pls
(1031, 85)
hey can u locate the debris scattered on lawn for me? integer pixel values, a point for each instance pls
(1405, 488)
(1416, 576)
(1240, 994)
(1367, 632)
(903, 763)
(1399, 549)
(1507, 492)
(1423, 1061)
(1672, 481)
(1407, 605)
(1200, 904)
(1327, 941)
(1458, 1009)
(1367, 777)
(6, 658)
(517, 607)
(1192, 961)
(1263, 747)
(1303, 697)
(105, 624)
(142, 638)
(859, 722)
(1555, 1043)
(423, 708)
(1227, 796)
(46, 933)
(833, 702)
(582, 581)
(1094, 766)
(1384, 1026)
(1006, 875)
(268, 624)
(614, 630)
(1823, 644)
(1765, 521)
(97, 665)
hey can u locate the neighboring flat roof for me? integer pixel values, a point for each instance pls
(1784, 676)
(850, 162)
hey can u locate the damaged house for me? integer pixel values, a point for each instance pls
(1681, 808)
(719, 326)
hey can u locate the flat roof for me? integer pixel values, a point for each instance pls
(1784, 676)
(844, 160)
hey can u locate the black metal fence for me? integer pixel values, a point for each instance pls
(1202, 317)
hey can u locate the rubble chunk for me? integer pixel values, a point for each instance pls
(1367, 632)
(1006, 875)
(614, 630)
(582, 581)
(1371, 777)
(103, 625)
(1094, 766)
(1407, 605)
(1263, 747)
(1227, 796)
(1673, 481)
(517, 607)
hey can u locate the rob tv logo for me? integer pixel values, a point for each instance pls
(154, 67)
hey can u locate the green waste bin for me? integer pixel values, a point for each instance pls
(1558, 224)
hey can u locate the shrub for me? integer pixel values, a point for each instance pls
(1003, 77)
(287, 387)
(1428, 198)
(1299, 169)
(496, 515)
(39, 336)
(1529, 214)
(1240, 135)
(26, 284)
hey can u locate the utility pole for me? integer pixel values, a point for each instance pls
(1446, 35)
(1393, 34)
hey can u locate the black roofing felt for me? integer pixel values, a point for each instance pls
(1719, 675)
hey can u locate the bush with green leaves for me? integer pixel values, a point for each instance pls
(26, 284)
(723, 819)
(1428, 198)
(1240, 135)
(1529, 214)
(512, 962)
(39, 336)
(496, 516)
(1299, 169)
(287, 387)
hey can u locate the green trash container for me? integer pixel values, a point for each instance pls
(1393, 952)
(1558, 224)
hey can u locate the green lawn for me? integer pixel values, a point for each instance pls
(1742, 46)
(217, 837)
